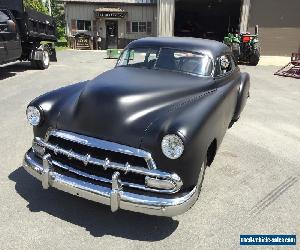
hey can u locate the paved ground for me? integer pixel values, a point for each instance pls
(253, 186)
(279, 61)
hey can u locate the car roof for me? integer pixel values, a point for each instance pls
(214, 48)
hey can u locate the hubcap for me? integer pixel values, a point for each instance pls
(46, 58)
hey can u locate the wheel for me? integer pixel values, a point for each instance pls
(33, 64)
(235, 48)
(45, 62)
(201, 177)
(254, 58)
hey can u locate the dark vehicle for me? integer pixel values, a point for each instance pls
(245, 47)
(139, 137)
(22, 32)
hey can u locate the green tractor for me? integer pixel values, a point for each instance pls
(244, 46)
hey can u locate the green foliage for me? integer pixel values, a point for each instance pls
(58, 14)
(36, 4)
(57, 9)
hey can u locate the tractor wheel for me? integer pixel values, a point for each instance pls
(254, 58)
(235, 48)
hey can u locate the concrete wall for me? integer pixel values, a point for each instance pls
(279, 22)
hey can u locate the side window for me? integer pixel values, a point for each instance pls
(3, 19)
(139, 58)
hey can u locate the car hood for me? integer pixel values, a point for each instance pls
(120, 104)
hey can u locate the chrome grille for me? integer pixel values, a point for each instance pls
(96, 161)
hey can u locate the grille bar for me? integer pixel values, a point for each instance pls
(87, 159)
(65, 155)
(105, 180)
(100, 144)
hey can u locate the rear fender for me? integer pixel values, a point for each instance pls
(243, 94)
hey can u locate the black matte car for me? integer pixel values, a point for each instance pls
(140, 136)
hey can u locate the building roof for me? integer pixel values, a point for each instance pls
(199, 45)
(112, 1)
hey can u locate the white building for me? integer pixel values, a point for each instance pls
(117, 22)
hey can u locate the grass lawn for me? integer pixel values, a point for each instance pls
(61, 44)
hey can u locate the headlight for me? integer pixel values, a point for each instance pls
(33, 116)
(172, 146)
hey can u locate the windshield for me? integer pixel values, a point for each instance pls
(167, 59)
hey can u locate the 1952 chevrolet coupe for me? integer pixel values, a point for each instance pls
(139, 137)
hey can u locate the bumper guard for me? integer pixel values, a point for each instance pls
(114, 197)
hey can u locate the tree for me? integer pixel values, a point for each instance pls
(58, 14)
(36, 4)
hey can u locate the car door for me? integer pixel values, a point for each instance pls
(228, 78)
(3, 26)
(11, 39)
(3, 53)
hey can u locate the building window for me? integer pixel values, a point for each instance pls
(135, 27)
(141, 27)
(84, 25)
(149, 27)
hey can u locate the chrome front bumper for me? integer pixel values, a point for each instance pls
(114, 197)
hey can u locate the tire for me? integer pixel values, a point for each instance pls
(233, 121)
(201, 177)
(33, 64)
(44, 63)
(235, 48)
(254, 58)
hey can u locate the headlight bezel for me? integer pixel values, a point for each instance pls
(34, 111)
(169, 152)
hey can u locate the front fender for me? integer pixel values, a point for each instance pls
(50, 105)
(198, 123)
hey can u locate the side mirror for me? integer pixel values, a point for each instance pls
(11, 26)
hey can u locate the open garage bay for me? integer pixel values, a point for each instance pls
(207, 19)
